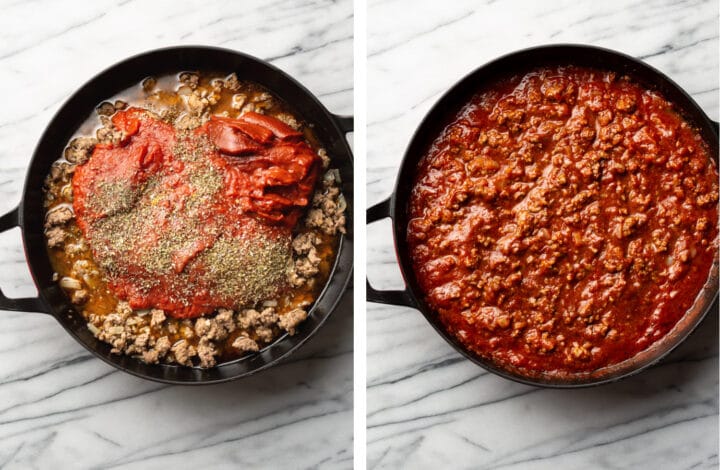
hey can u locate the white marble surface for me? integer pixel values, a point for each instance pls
(427, 407)
(60, 407)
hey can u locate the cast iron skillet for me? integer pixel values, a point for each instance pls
(329, 128)
(395, 206)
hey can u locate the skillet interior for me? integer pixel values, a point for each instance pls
(328, 128)
(456, 97)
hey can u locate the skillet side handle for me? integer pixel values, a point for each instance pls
(345, 123)
(30, 304)
(401, 298)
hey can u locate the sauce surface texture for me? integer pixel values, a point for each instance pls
(196, 220)
(563, 221)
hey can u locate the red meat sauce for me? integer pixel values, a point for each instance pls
(563, 221)
(191, 221)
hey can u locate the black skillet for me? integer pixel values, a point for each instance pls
(395, 206)
(330, 129)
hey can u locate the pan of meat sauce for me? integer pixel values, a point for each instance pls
(563, 221)
(555, 216)
(193, 219)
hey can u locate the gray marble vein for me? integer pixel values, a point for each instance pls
(59, 406)
(428, 407)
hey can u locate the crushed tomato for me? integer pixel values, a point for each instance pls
(241, 184)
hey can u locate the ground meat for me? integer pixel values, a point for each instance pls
(261, 103)
(80, 149)
(305, 242)
(59, 172)
(625, 103)
(245, 344)
(142, 341)
(109, 135)
(307, 261)
(151, 356)
(206, 353)
(292, 319)
(306, 268)
(189, 79)
(56, 237)
(707, 199)
(123, 308)
(162, 345)
(265, 334)
(248, 318)
(215, 328)
(268, 317)
(58, 216)
(295, 279)
(158, 317)
(328, 208)
(183, 352)
(135, 332)
(130, 332)
(105, 109)
(151, 351)
(197, 104)
(148, 84)
(232, 83)
(325, 158)
(315, 218)
(225, 320)
(204, 325)
(113, 331)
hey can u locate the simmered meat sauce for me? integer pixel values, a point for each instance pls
(564, 220)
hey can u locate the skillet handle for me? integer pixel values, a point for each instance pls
(402, 298)
(345, 123)
(29, 304)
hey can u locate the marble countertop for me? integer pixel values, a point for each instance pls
(61, 407)
(428, 407)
